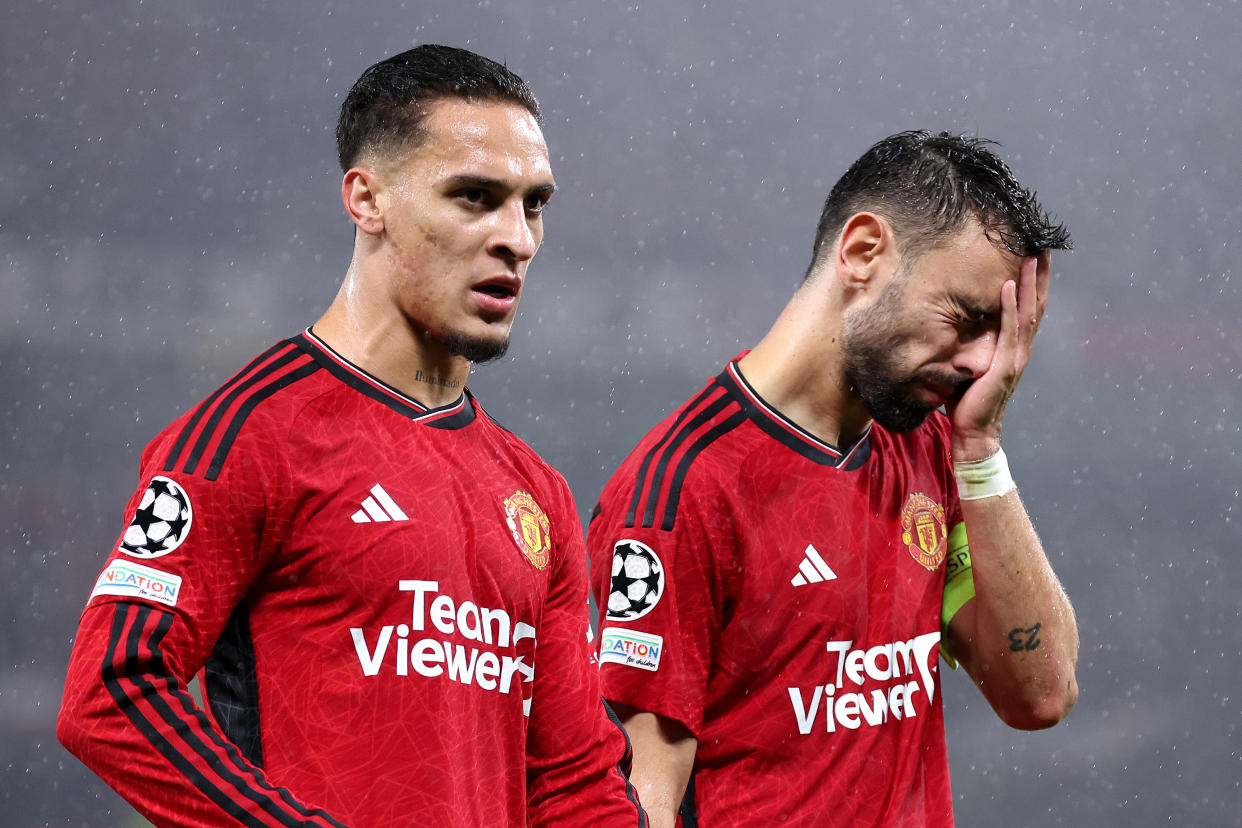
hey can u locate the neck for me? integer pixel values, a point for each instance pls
(798, 369)
(372, 333)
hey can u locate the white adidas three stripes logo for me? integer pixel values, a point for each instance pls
(379, 508)
(813, 569)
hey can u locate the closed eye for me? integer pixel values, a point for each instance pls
(974, 315)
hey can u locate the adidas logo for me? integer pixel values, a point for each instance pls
(379, 508)
(812, 570)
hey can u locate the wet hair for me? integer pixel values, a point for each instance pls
(927, 186)
(385, 108)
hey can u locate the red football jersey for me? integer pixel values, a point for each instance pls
(782, 599)
(386, 606)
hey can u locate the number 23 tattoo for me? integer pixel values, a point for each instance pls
(1022, 640)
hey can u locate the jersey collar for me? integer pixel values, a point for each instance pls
(456, 414)
(786, 431)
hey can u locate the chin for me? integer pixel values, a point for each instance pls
(477, 349)
(900, 419)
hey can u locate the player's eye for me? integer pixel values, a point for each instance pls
(534, 204)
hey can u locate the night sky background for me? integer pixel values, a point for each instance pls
(169, 207)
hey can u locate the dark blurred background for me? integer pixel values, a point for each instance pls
(169, 207)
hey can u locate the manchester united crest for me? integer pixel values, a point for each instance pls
(923, 530)
(530, 528)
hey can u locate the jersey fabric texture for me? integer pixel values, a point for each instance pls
(386, 607)
(782, 600)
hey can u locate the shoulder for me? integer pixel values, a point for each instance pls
(252, 411)
(510, 450)
(509, 443)
(682, 464)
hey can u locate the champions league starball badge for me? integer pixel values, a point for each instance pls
(637, 581)
(924, 532)
(530, 527)
(161, 522)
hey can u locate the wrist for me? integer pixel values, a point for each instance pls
(986, 477)
(969, 448)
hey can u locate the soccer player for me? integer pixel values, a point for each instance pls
(782, 560)
(382, 592)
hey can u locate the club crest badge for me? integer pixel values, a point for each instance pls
(530, 528)
(923, 530)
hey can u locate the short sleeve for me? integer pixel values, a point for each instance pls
(661, 601)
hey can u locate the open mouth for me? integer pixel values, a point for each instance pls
(497, 291)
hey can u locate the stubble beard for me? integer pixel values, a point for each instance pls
(870, 348)
(476, 349)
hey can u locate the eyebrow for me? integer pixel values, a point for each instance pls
(483, 182)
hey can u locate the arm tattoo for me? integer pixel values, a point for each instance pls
(1021, 640)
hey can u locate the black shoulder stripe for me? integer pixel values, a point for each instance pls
(683, 467)
(206, 404)
(672, 430)
(257, 790)
(262, 380)
(226, 443)
(640, 482)
(213, 422)
(683, 434)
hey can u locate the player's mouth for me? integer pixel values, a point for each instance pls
(498, 295)
(937, 394)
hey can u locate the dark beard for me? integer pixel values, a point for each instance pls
(889, 401)
(478, 351)
(868, 349)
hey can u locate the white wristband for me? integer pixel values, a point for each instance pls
(989, 477)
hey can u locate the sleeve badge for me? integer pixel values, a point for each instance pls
(637, 581)
(161, 522)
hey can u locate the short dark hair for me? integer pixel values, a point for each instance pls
(928, 185)
(385, 108)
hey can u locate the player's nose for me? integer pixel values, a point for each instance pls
(974, 356)
(516, 236)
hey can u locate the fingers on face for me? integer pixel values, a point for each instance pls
(1033, 289)
(1010, 314)
(1043, 279)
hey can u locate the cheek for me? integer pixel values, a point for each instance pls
(431, 238)
(938, 337)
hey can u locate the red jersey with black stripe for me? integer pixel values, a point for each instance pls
(781, 598)
(385, 605)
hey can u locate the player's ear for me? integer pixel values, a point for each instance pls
(359, 191)
(865, 245)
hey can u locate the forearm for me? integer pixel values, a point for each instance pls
(129, 718)
(663, 759)
(1018, 638)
